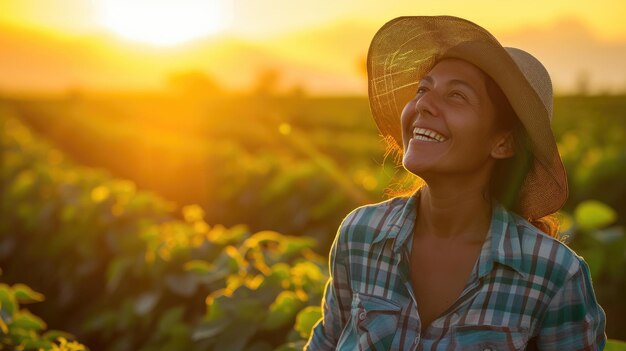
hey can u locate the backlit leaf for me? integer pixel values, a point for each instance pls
(593, 214)
(282, 310)
(306, 319)
(28, 321)
(25, 294)
(615, 345)
(7, 301)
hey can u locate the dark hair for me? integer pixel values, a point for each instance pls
(508, 175)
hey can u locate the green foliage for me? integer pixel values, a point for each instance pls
(62, 344)
(615, 345)
(135, 275)
(22, 330)
(306, 319)
(273, 278)
(592, 215)
(591, 134)
(306, 159)
(123, 269)
(603, 247)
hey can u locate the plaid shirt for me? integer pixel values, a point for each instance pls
(525, 289)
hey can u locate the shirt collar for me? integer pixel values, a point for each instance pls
(398, 227)
(502, 244)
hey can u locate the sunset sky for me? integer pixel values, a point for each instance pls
(320, 45)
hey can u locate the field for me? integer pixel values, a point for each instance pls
(159, 222)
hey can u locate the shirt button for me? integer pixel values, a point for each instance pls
(362, 316)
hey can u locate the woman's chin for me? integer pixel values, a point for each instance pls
(416, 166)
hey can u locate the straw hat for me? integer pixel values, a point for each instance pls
(406, 48)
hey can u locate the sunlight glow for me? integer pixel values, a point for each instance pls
(165, 22)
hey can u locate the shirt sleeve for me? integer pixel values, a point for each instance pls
(574, 320)
(335, 304)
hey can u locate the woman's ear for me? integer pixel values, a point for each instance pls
(504, 147)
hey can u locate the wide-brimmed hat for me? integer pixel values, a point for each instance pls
(406, 48)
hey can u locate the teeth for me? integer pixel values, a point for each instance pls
(427, 135)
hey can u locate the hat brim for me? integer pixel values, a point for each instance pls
(406, 48)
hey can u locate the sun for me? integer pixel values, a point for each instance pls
(164, 22)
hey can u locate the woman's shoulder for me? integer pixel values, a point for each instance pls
(365, 223)
(546, 255)
(377, 210)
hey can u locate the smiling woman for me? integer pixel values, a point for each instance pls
(456, 265)
(164, 22)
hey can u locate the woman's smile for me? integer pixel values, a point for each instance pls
(428, 135)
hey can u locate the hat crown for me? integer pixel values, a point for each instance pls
(536, 74)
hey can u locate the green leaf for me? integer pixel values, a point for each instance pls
(24, 294)
(35, 344)
(279, 276)
(615, 345)
(28, 321)
(199, 267)
(193, 213)
(307, 273)
(7, 301)
(282, 310)
(593, 214)
(222, 236)
(295, 245)
(306, 319)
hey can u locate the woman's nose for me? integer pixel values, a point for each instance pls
(428, 104)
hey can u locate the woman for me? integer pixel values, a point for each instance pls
(458, 265)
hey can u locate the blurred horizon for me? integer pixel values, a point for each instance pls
(68, 46)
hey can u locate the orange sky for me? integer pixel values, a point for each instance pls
(50, 45)
(258, 17)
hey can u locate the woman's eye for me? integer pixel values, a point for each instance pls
(458, 95)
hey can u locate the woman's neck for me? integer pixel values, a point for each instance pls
(461, 213)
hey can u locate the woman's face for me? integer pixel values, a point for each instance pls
(450, 126)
